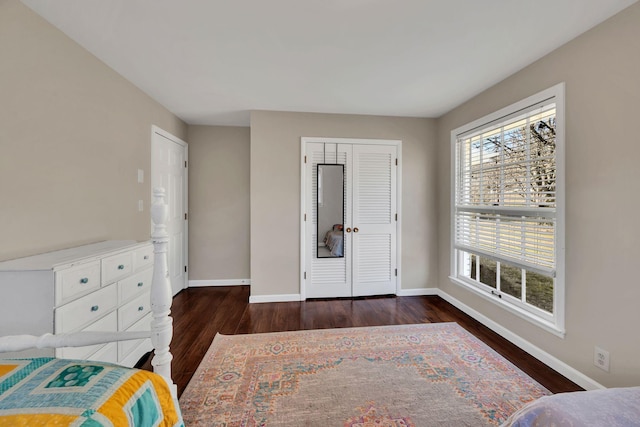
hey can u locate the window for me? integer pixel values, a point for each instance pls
(508, 208)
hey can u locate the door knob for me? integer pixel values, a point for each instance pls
(355, 229)
(348, 230)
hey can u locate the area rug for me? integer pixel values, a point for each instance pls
(409, 375)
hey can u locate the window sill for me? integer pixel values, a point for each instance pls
(523, 314)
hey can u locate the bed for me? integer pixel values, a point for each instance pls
(614, 407)
(333, 240)
(49, 391)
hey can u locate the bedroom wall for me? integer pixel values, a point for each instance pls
(275, 193)
(219, 203)
(601, 69)
(73, 134)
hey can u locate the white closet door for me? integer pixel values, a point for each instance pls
(326, 277)
(373, 237)
(169, 171)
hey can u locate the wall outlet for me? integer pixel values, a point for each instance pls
(601, 359)
(140, 205)
(140, 176)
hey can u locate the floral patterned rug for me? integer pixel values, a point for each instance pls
(408, 375)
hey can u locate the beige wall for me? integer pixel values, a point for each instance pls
(73, 134)
(218, 202)
(602, 73)
(275, 193)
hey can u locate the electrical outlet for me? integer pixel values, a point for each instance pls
(140, 176)
(140, 205)
(601, 359)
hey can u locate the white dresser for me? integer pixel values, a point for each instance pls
(98, 287)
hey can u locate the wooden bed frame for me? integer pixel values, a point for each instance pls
(161, 298)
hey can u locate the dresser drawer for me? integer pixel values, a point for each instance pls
(108, 323)
(73, 282)
(85, 310)
(132, 286)
(108, 353)
(143, 257)
(125, 347)
(116, 267)
(134, 310)
(134, 356)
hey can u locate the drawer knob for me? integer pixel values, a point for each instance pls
(84, 280)
(121, 267)
(141, 308)
(94, 308)
(140, 284)
(146, 257)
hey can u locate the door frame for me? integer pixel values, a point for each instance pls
(303, 197)
(155, 132)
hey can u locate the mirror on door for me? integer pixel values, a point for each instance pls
(330, 204)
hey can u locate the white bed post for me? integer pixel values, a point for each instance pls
(161, 296)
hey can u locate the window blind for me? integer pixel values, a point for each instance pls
(505, 200)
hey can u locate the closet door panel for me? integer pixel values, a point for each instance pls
(373, 220)
(326, 277)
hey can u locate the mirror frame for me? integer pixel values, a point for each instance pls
(321, 193)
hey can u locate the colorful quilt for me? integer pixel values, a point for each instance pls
(46, 391)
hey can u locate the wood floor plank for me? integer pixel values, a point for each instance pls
(200, 313)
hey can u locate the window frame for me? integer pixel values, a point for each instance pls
(551, 322)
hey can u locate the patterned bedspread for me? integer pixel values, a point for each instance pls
(46, 391)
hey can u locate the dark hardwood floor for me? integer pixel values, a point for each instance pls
(200, 313)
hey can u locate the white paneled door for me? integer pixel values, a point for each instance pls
(325, 277)
(369, 262)
(374, 220)
(169, 170)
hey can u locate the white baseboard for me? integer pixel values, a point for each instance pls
(298, 297)
(226, 282)
(417, 292)
(554, 363)
(275, 298)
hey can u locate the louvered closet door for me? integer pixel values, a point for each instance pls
(326, 277)
(373, 216)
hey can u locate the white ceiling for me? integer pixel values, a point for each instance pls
(213, 61)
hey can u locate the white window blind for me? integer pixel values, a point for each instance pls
(505, 198)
